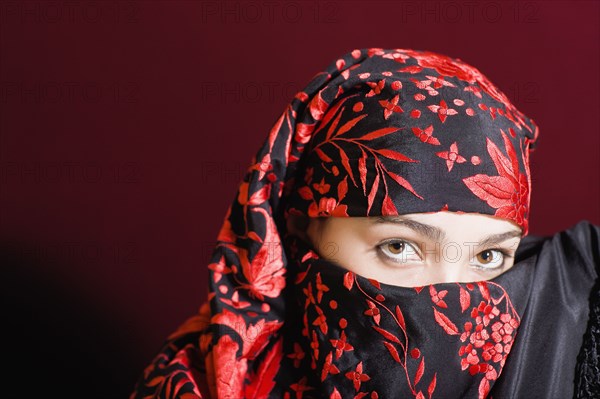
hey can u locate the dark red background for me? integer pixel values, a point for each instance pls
(126, 127)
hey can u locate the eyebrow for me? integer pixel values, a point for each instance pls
(500, 237)
(431, 232)
(437, 234)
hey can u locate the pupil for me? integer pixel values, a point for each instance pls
(485, 255)
(397, 246)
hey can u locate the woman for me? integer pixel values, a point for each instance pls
(378, 247)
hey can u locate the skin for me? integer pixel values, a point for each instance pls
(415, 249)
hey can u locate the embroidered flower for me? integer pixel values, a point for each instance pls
(298, 355)
(357, 376)
(390, 106)
(327, 207)
(329, 367)
(502, 330)
(488, 312)
(321, 187)
(451, 156)
(341, 345)
(509, 191)
(442, 110)
(492, 352)
(375, 88)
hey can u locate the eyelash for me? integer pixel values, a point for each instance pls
(394, 241)
(503, 252)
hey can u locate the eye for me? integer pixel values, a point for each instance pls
(399, 251)
(489, 259)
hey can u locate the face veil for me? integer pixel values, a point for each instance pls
(379, 132)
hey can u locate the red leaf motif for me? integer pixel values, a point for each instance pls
(372, 193)
(420, 371)
(348, 280)
(233, 320)
(265, 271)
(230, 370)
(254, 337)
(432, 291)
(400, 317)
(411, 69)
(502, 163)
(395, 155)
(375, 283)
(392, 351)
(335, 394)
(387, 334)
(346, 163)
(510, 149)
(388, 208)
(333, 126)
(445, 322)
(403, 182)
(362, 168)
(378, 133)
(465, 299)
(330, 114)
(485, 292)
(432, 385)
(484, 388)
(323, 156)
(306, 193)
(264, 380)
(495, 190)
(350, 124)
(260, 196)
(420, 395)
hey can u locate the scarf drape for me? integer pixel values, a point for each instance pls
(379, 132)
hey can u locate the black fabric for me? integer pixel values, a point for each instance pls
(587, 373)
(448, 131)
(564, 268)
(549, 287)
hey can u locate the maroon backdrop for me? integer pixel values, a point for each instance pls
(126, 127)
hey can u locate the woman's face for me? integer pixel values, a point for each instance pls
(418, 249)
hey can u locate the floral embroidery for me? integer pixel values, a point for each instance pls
(451, 156)
(355, 142)
(509, 191)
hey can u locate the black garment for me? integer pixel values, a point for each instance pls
(549, 287)
(562, 271)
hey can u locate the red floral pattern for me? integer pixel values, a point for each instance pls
(509, 191)
(480, 315)
(354, 142)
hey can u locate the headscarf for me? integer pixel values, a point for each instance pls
(380, 132)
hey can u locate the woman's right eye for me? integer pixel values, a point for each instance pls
(399, 251)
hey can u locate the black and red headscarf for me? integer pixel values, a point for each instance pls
(380, 132)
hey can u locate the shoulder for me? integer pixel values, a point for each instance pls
(582, 243)
(578, 249)
(578, 245)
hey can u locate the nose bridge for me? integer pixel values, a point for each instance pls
(450, 262)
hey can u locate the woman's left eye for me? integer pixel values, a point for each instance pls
(489, 259)
(399, 251)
